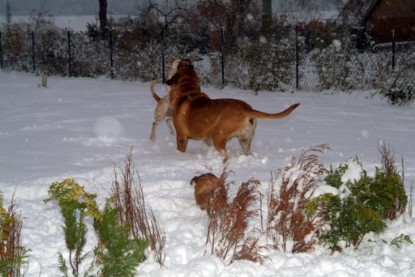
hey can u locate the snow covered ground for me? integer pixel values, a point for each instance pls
(81, 128)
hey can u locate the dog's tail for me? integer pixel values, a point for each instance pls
(263, 115)
(153, 92)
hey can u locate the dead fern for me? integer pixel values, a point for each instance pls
(288, 227)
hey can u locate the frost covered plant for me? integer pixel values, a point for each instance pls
(12, 254)
(399, 87)
(270, 60)
(363, 203)
(338, 66)
(288, 225)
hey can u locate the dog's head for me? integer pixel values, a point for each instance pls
(184, 68)
(176, 64)
(173, 67)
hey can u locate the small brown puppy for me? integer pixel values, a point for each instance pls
(204, 185)
(162, 110)
(196, 116)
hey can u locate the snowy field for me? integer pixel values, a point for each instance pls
(81, 128)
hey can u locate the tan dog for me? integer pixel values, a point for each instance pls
(196, 116)
(204, 185)
(162, 110)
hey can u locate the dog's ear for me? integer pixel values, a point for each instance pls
(172, 80)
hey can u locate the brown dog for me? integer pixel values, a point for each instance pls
(162, 110)
(204, 185)
(196, 116)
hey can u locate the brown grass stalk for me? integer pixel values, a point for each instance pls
(387, 159)
(287, 221)
(12, 254)
(128, 195)
(228, 222)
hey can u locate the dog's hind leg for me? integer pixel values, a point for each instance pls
(169, 123)
(159, 114)
(220, 145)
(153, 131)
(245, 139)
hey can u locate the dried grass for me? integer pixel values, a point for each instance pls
(12, 254)
(228, 224)
(128, 195)
(287, 224)
(389, 168)
(387, 159)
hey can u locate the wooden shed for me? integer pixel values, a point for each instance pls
(383, 16)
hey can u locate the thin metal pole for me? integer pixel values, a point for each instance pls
(111, 55)
(297, 58)
(393, 48)
(162, 57)
(33, 51)
(1, 52)
(222, 57)
(69, 54)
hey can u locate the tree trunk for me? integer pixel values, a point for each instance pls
(266, 16)
(103, 15)
(8, 12)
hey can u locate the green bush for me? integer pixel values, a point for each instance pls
(363, 204)
(115, 252)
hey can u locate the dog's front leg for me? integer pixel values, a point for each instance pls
(181, 142)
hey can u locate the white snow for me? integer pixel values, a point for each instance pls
(81, 128)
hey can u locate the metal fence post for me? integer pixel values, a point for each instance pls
(393, 49)
(162, 56)
(297, 57)
(222, 57)
(69, 54)
(111, 54)
(1, 52)
(33, 51)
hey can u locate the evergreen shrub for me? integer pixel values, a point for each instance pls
(363, 204)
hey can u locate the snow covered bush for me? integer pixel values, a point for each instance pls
(16, 47)
(399, 86)
(363, 203)
(339, 66)
(270, 60)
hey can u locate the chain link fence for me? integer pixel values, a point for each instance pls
(283, 64)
